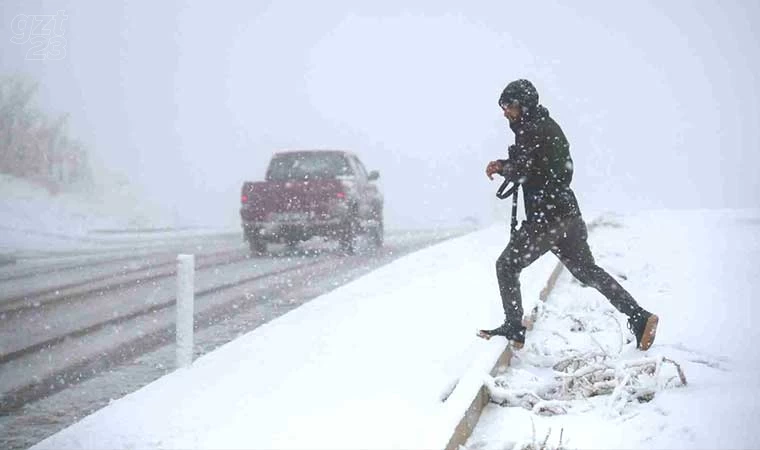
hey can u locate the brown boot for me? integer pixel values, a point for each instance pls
(644, 327)
(515, 335)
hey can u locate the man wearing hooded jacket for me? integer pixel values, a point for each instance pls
(540, 162)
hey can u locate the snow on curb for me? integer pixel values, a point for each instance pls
(471, 394)
(580, 370)
(473, 391)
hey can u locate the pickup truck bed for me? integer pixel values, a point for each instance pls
(312, 193)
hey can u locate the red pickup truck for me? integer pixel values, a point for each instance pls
(309, 193)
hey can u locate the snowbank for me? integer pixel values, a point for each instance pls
(31, 218)
(698, 270)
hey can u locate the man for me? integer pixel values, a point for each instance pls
(540, 162)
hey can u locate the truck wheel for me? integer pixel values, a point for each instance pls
(378, 234)
(292, 245)
(258, 246)
(348, 238)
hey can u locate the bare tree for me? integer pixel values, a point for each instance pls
(33, 145)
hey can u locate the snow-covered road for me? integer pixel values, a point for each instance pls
(65, 320)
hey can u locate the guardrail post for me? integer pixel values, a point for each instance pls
(185, 300)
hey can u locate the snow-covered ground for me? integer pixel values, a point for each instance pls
(370, 364)
(700, 272)
(33, 220)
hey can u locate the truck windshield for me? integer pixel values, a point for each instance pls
(302, 166)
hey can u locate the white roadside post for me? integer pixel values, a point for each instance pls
(185, 300)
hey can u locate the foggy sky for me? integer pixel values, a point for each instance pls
(658, 99)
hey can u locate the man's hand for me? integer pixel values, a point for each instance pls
(494, 167)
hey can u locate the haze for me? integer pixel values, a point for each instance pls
(186, 100)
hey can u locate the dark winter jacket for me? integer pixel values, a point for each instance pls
(540, 161)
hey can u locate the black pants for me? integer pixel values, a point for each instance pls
(568, 240)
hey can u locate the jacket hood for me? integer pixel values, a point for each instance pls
(521, 91)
